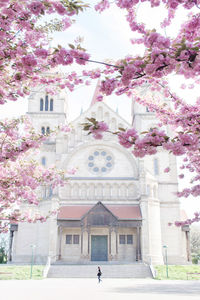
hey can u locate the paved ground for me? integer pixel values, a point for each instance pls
(112, 289)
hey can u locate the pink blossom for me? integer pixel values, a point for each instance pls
(66, 23)
(61, 10)
(80, 56)
(36, 7)
(65, 128)
(43, 53)
(63, 57)
(72, 171)
(181, 176)
(167, 170)
(100, 98)
(29, 60)
(108, 86)
(104, 4)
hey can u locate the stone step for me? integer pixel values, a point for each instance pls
(108, 271)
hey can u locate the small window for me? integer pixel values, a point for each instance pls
(69, 239)
(48, 130)
(41, 104)
(46, 103)
(129, 239)
(50, 191)
(122, 239)
(51, 105)
(156, 169)
(76, 239)
(147, 110)
(43, 161)
(43, 130)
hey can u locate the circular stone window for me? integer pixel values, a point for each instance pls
(100, 162)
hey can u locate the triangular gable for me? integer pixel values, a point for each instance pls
(99, 214)
(99, 206)
(94, 110)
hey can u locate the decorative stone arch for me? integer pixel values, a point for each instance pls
(113, 124)
(101, 144)
(68, 190)
(83, 191)
(107, 191)
(123, 190)
(75, 191)
(91, 191)
(100, 112)
(115, 191)
(107, 117)
(99, 191)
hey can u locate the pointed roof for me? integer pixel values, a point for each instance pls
(96, 93)
(121, 212)
(96, 206)
(81, 118)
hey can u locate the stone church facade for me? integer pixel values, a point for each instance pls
(115, 207)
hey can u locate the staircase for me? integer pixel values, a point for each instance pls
(136, 270)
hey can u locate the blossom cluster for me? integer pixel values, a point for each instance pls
(24, 47)
(25, 57)
(20, 175)
(96, 128)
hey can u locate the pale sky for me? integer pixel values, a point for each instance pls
(106, 36)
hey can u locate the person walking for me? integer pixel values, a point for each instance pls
(99, 273)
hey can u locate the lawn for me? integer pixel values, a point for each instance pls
(21, 272)
(178, 272)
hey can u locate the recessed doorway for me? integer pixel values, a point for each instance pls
(99, 248)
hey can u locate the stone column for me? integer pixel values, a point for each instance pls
(81, 240)
(110, 246)
(116, 232)
(140, 250)
(137, 244)
(10, 245)
(84, 236)
(187, 233)
(113, 250)
(88, 230)
(60, 242)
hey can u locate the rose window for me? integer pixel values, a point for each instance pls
(100, 162)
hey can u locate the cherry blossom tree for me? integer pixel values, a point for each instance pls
(163, 56)
(25, 56)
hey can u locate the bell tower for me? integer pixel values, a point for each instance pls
(45, 110)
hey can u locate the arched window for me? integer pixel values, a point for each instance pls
(44, 161)
(43, 130)
(50, 191)
(46, 103)
(156, 167)
(51, 105)
(41, 104)
(48, 130)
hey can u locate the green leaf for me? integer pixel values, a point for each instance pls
(121, 129)
(71, 46)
